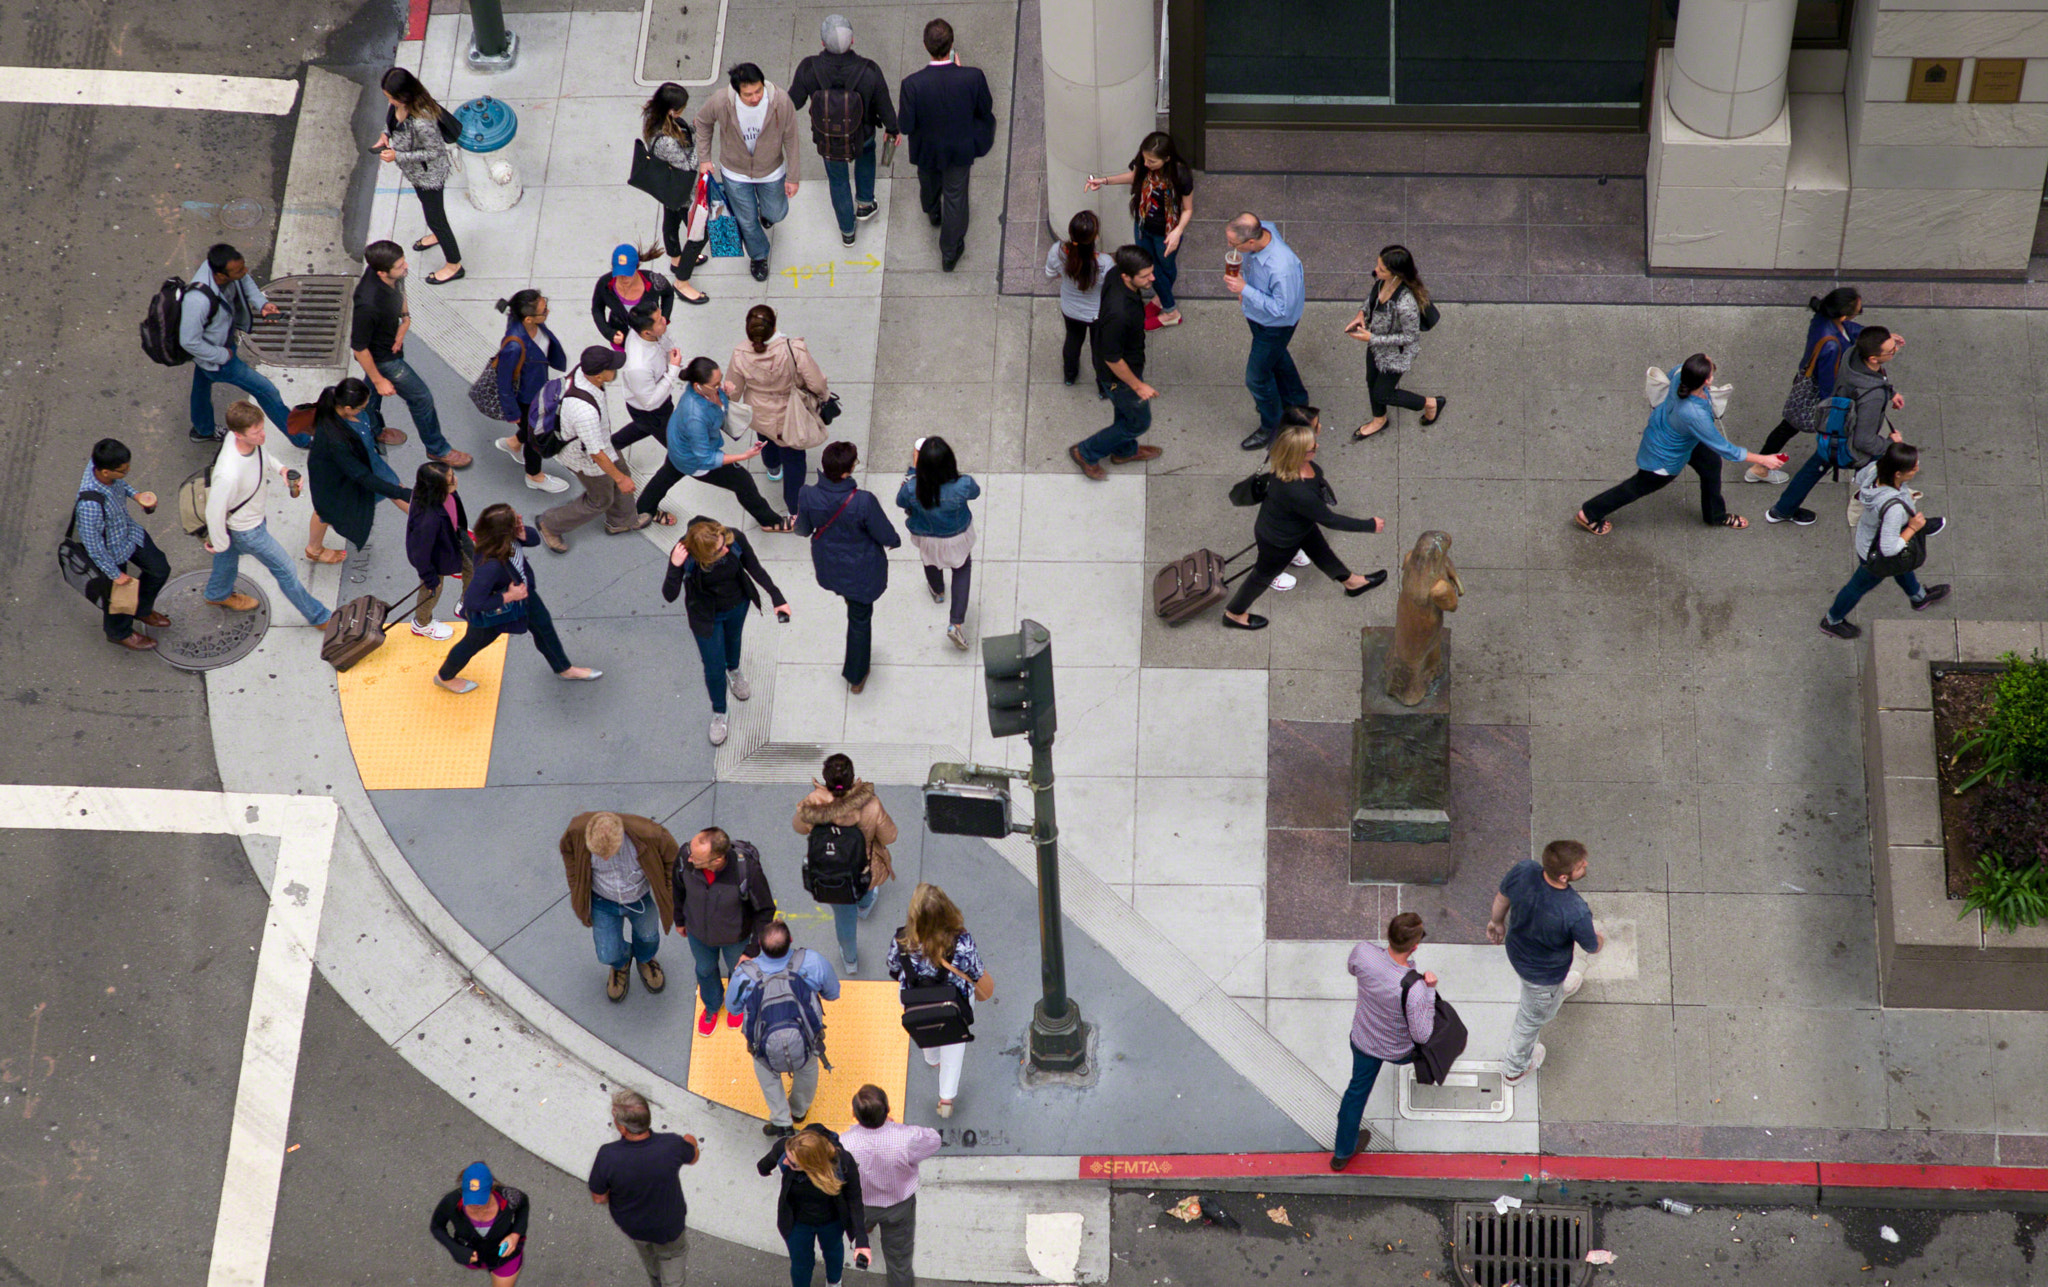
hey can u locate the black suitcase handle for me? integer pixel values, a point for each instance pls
(1234, 558)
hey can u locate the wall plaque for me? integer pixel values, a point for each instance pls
(1997, 80)
(1934, 80)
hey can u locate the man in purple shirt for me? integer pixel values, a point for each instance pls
(888, 1153)
(1381, 1033)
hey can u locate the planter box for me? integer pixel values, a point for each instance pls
(1928, 956)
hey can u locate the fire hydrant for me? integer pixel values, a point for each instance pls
(487, 126)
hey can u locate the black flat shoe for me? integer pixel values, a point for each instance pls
(1441, 403)
(424, 244)
(703, 297)
(1373, 581)
(455, 276)
(1252, 621)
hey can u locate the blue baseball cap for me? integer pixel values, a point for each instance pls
(625, 260)
(476, 1185)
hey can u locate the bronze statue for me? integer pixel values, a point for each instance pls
(1429, 589)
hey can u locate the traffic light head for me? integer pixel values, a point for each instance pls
(1019, 673)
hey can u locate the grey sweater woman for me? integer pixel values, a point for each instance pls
(677, 152)
(421, 151)
(1396, 327)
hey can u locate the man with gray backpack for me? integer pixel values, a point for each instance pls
(848, 98)
(1851, 425)
(778, 995)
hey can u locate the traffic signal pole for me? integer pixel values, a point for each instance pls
(1059, 1042)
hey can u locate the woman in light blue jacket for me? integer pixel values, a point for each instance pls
(696, 448)
(933, 499)
(1681, 432)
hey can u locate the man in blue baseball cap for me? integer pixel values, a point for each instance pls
(483, 1225)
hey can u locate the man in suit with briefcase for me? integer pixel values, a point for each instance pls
(951, 120)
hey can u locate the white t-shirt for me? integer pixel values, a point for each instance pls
(237, 481)
(752, 121)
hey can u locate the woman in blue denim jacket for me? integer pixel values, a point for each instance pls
(525, 355)
(696, 448)
(933, 499)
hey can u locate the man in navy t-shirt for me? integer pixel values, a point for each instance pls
(637, 1176)
(1540, 916)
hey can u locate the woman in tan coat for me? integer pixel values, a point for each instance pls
(842, 802)
(776, 376)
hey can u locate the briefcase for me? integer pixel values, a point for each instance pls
(356, 629)
(1189, 586)
(935, 1015)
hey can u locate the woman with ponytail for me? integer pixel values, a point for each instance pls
(417, 132)
(1829, 335)
(1080, 267)
(343, 469)
(1389, 324)
(525, 355)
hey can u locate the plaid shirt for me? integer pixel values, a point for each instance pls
(108, 531)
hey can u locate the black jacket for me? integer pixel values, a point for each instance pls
(846, 71)
(452, 1229)
(485, 592)
(852, 1215)
(610, 313)
(949, 116)
(731, 906)
(434, 546)
(1292, 510)
(344, 484)
(703, 583)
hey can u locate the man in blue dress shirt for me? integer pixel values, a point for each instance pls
(1270, 288)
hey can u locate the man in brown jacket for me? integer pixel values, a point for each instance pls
(621, 869)
(759, 155)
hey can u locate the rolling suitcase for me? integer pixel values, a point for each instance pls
(1187, 586)
(356, 629)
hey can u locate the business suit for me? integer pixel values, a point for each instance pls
(950, 119)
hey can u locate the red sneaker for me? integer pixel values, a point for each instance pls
(707, 1023)
(732, 1020)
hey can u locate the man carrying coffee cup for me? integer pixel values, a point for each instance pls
(1268, 282)
(234, 519)
(113, 539)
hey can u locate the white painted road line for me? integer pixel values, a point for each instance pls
(102, 88)
(304, 826)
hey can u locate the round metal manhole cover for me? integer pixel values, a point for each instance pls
(244, 213)
(201, 636)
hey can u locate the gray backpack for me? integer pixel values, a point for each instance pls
(782, 1021)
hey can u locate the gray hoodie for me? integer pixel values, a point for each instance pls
(1876, 498)
(1872, 391)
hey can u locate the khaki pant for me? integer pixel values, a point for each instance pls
(431, 595)
(667, 1263)
(600, 496)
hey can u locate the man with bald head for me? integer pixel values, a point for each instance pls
(848, 97)
(1270, 288)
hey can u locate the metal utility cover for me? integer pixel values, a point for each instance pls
(682, 41)
(1473, 1091)
(201, 636)
(311, 326)
(1534, 1246)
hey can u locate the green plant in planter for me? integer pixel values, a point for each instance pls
(2009, 894)
(2014, 739)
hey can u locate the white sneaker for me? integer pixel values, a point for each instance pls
(1535, 1062)
(737, 685)
(1572, 983)
(435, 630)
(1285, 581)
(1300, 559)
(549, 483)
(1776, 477)
(718, 730)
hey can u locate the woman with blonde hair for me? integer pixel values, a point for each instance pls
(820, 1207)
(933, 948)
(776, 375)
(715, 571)
(1296, 509)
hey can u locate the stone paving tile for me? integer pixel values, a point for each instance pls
(1772, 1067)
(1789, 1143)
(1813, 951)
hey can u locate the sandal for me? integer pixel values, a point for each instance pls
(324, 555)
(1441, 403)
(1363, 432)
(665, 519)
(1602, 528)
(1177, 319)
(1735, 522)
(786, 525)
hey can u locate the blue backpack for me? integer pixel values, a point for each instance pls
(1834, 433)
(781, 1020)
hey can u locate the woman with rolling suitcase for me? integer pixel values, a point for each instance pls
(1292, 515)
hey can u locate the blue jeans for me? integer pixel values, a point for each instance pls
(1165, 267)
(845, 194)
(802, 1258)
(238, 374)
(1365, 1070)
(790, 463)
(1861, 582)
(607, 923)
(539, 625)
(1269, 373)
(846, 924)
(710, 981)
(258, 544)
(419, 400)
(721, 652)
(1802, 483)
(750, 204)
(1133, 417)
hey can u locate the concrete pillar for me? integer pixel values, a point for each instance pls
(1728, 65)
(1100, 94)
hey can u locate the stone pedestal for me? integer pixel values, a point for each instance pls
(1400, 777)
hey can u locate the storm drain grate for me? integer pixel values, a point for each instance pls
(1533, 1246)
(311, 326)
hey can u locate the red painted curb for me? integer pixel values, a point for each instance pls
(1864, 1175)
(416, 19)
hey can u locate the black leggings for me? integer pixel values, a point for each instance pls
(530, 454)
(434, 204)
(1384, 387)
(962, 575)
(1070, 351)
(1777, 438)
(678, 249)
(1273, 560)
(734, 478)
(643, 424)
(1704, 463)
(540, 627)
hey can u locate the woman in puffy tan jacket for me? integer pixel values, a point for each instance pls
(844, 800)
(777, 377)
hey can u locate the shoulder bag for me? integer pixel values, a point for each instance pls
(1803, 402)
(803, 427)
(74, 562)
(1447, 1038)
(820, 531)
(483, 392)
(673, 188)
(1249, 491)
(1890, 565)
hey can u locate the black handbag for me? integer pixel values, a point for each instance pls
(829, 410)
(1250, 491)
(1883, 566)
(935, 1014)
(660, 180)
(74, 562)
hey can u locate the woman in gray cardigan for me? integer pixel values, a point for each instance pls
(1389, 324)
(417, 132)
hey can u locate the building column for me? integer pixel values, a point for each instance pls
(1728, 63)
(1100, 96)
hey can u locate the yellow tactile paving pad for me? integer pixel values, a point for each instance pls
(408, 734)
(864, 1039)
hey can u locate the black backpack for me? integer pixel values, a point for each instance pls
(1433, 1058)
(838, 114)
(74, 562)
(160, 324)
(836, 867)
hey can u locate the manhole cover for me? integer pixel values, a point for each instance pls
(243, 213)
(311, 326)
(1534, 1246)
(682, 41)
(201, 636)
